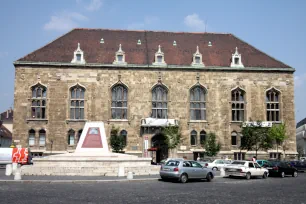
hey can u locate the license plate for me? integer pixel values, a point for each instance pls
(232, 170)
(166, 169)
(269, 168)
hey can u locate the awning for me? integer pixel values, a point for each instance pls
(152, 149)
(156, 122)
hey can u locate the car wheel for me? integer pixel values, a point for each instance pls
(215, 169)
(282, 174)
(248, 176)
(184, 178)
(295, 174)
(265, 175)
(209, 177)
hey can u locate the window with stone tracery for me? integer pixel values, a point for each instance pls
(273, 105)
(238, 105)
(38, 102)
(198, 103)
(193, 138)
(159, 102)
(119, 102)
(31, 137)
(77, 94)
(71, 134)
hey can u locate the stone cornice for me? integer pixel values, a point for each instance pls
(144, 66)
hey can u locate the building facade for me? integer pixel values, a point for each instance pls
(301, 137)
(140, 81)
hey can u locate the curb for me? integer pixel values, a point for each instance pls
(76, 181)
(83, 181)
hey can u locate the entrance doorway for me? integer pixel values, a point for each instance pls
(158, 142)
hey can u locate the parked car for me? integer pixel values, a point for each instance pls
(281, 168)
(246, 169)
(217, 164)
(183, 170)
(300, 166)
(262, 162)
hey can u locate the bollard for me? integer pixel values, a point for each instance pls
(15, 166)
(222, 172)
(17, 176)
(8, 170)
(121, 171)
(130, 175)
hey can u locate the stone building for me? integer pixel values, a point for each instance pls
(140, 81)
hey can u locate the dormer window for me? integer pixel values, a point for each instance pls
(120, 57)
(78, 56)
(197, 59)
(159, 58)
(236, 59)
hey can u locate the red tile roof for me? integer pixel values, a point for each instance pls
(219, 54)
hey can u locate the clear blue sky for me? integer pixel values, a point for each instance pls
(277, 27)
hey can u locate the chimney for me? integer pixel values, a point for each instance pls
(7, 114)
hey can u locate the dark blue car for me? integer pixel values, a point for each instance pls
(300, 166)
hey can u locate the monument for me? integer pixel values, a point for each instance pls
(91, 158)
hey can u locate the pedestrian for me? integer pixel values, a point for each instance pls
(254, 159)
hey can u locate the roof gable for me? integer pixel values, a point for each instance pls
(219, 54)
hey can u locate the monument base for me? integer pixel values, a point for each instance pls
(90, 164)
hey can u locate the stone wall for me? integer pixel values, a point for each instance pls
(98, 82)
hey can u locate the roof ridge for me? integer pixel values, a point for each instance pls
(261, 51)
(47, 44)
(218, 33)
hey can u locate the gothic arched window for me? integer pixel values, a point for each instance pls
(119, 102)
(198, 103)
(202, 137)
(38, 105)
(42, 137)
(159, 102)
(123, 134)
(238, 105)
(77, 94)
(273, 106)
(234, 138)
(71, 134)
(193, 138)
(31, 137)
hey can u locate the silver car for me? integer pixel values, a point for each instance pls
(185, 170)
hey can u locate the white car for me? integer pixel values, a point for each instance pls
(246, 169)
(217, 164)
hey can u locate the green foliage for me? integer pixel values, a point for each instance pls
(116, 141)
(211, 146)
(278, 133)
(255, 137)
(172, 135)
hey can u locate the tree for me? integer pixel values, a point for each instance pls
(285, 146)
(278, 133)
(211, 146)
(255, 137)
(116, 141)
(173, 136)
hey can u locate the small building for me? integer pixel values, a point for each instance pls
(5, 136)
(301, 137)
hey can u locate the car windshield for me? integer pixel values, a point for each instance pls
(172, 163)
(238, 162)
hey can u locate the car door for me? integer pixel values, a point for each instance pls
(187, 167)
(219, 163)
(252, 169)
(259, 171)
(198, 170)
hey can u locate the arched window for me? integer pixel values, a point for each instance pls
(159, 102)
(79, 134)
(123, 134)
(77, 94)
(38, 105)
(119, 102)
(234, 138)
(71, 134)
(31, 137)
(42, 137)
(238, 105)
(273, 108)
(198, 103)
(202, 137)
(193, 138)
